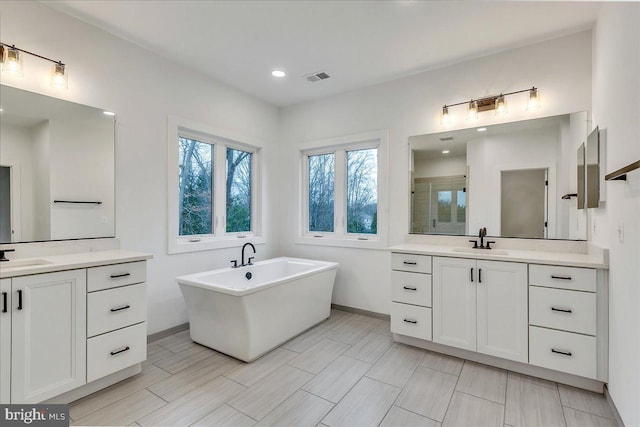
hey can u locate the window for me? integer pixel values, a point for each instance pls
(342, 191)
(214, 189)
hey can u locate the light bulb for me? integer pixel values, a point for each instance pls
(501, 106)
(11, 60)
(59, 76)
(446, 118)
(534, 99)
(472, 110)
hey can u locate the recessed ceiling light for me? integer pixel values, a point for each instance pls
(278, 73)
(481, 129)
(108, 113)
(445, 151)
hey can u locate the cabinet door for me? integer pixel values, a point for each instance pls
(5, 341)
(454, 302)
(48, 335)
(502, 309)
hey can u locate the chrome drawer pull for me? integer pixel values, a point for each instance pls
(124, 307)
(411, 321)
(410, 263)
(127, 348)
(117, 276)
(566, 353)
(409, 288)
(562, 310)
(553, 276)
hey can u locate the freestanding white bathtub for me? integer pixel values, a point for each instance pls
(246, 317)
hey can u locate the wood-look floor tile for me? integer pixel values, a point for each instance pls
(225, 416)
(337, 319)
(442, 362)
(306, 340)
(428, 393)
(585, 401)
(351, 332)
(261, 398)
(531, 405)
(176, 343)
(194, 405)
(466, 410)
(532, 380)
(124, 411)
(383, 328)
(483, 381)
(156, 352)
(371, 347)
(398, 417)
(365, 405)
(184, 359)
(576, 418)
(337, 379)
(150, 374)
(319, 356)
(250, 373)
(396, 365)
(300, 409)
(195, 376)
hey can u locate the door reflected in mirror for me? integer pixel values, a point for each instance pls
(57, 169)
(509, 178)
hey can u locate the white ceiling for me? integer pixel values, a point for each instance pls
(359, 43)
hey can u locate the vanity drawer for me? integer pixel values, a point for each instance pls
(116, 350)
(116, 308)
(563, 351)
(411, 288)
(552, 276)
(411, 262)
(561, 309)
(411, 320)
(112, 276)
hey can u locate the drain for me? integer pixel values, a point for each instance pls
(248, 275)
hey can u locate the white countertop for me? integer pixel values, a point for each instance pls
(597, 259)
(48, 264)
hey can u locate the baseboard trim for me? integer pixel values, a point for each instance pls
(612, 404)
(173, 330)
(360, 311)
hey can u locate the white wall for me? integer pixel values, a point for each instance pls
(16, 151)
(561, 68)
(142, 88)
(616, 108)
(445, 166)
(41, 180)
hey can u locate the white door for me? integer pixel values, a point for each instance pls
(48, 335)
(5, 341)
(454, 302)
(502, 309)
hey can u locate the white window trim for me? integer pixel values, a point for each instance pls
(221, 139)
(339, 237)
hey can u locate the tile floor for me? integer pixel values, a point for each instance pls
(347, 371)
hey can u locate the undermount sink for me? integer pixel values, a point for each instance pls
(481, 251)
(23, 263)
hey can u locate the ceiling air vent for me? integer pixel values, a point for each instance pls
(447, 138)
(316, 77)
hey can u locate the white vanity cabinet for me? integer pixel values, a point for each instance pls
(69, 332)
(48, 335)
(411, 295)
(481, 306)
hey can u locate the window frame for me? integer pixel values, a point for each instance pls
(221, 140)
(339, 147)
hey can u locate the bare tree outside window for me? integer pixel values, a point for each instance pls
(238, 190)
(321, 192)
(362, 191)
(195, 185)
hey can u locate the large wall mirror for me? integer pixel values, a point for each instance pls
(57, 165)
(516, 179)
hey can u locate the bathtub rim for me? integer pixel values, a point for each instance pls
(193, 279)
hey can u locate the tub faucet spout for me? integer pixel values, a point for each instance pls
(243, 248)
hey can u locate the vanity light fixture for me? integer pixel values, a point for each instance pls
(12, 63)
(498, 103)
